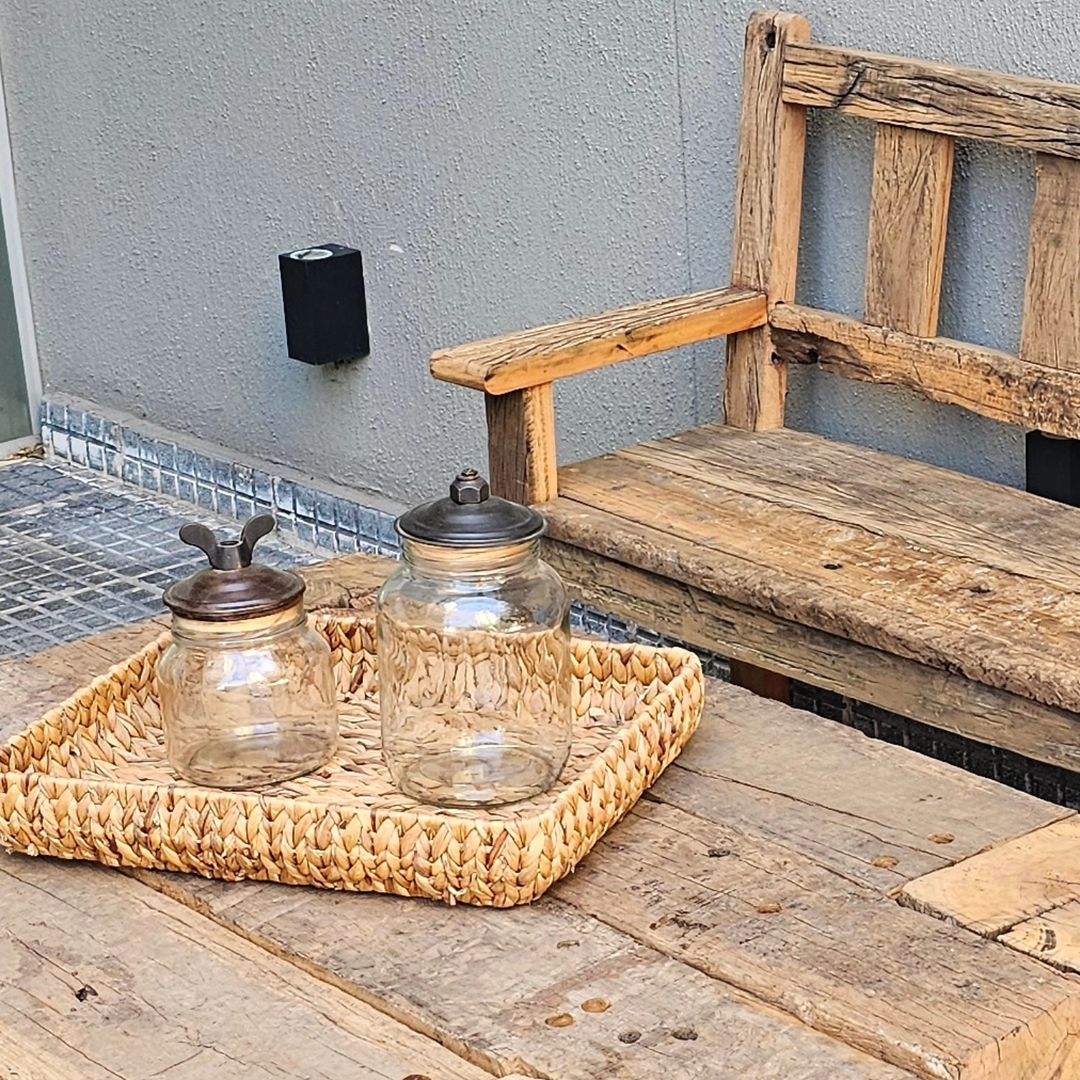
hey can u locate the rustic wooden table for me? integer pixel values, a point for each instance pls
(783, 904)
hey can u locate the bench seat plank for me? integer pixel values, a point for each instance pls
(951, 572)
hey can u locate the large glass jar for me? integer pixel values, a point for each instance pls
(246, 687)
(474, 653)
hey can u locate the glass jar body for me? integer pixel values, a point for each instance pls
(248, 703)
(474, 674)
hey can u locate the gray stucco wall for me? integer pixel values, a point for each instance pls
(499, 164)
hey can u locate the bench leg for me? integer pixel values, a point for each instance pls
(764, 683)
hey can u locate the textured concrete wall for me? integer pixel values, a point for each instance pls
(500, 164)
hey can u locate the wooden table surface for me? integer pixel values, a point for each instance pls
(782, 904)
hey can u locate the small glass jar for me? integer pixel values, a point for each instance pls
(474, 653)
(246, 686)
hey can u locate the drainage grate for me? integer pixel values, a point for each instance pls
(81, 553)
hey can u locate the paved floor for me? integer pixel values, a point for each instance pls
(81, 552)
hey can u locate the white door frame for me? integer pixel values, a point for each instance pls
(17, 264)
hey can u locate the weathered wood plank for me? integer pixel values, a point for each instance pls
(35, 689)
(27, 1056)
(1053, 936)
(991, 1017)
(106, 978)
(94, 655)
(909, 212)
(347, 582)
(445, 972)
(867, 810)
(919, 993)
(1050, 334)
(768, 206)
(1033, 114)
(884, 592)
(984, 381)
(943, 511)
(521, 444)
(994, 891)
(937, 697)
(546, 353)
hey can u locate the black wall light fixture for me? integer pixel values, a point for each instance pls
(322, 290)
(1053, 467)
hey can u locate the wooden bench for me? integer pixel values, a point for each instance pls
(942, 597)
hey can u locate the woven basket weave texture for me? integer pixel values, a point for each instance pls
(90, 781)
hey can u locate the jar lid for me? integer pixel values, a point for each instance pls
(232, 588)
(470, 518)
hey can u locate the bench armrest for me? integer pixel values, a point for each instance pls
(538, 356)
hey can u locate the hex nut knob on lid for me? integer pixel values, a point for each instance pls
(233, 587)
(471, 517)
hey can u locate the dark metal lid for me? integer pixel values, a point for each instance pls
(232, 588)
(470, 518)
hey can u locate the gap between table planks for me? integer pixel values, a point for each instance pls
(768, 807)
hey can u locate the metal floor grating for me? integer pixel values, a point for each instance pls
(81, 553)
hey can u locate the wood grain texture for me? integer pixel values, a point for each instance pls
(768, 205)
(546, 353)
(909, 212)
(937, 697)
(1053, 936)
(961, 516)
(985, 381)
(1050, 334)
(521, 444)
(24, 1057)
(38, 689)
(769, 806)
(863, 808)
(74, 664)
(772, 823)
(348, 582)
(1007, 885)
(1033, 114)
(444, 972)
(941, 590)
(103, 977)
(918, 993)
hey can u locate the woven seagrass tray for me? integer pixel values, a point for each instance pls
(90, 781)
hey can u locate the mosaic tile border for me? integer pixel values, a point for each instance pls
(328, 522)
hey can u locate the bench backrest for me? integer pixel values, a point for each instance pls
(920, 108)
